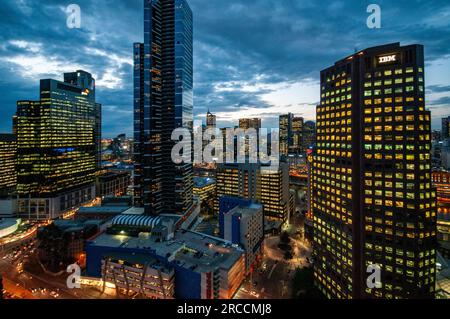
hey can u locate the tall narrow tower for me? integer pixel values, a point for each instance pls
(163, 101)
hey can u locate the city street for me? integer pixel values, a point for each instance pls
(274, 277)
(24, 278)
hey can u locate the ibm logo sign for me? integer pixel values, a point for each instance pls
(387, 58)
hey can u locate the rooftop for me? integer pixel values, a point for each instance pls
(190, 250)
(203, 181)
(140, 259)
(251, 209)
(7, 137)
(8, 222)
(134, 211)
(103, 210)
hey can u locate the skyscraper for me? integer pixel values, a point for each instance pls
(297, 136)
(285, 125)
(373, 202)
(247, 123)
(291, 134)
(445, 134)
(267, 185)
(309, 135)
(8, 149)
(163, 101)
(57, 151)
(210, 120)
(84, 80)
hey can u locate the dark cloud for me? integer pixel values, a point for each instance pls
(238, 44)
(438, 88)
(444, 101)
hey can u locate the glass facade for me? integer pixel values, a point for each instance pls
(8, 146)
(291, 135)
(163, 101)
(57, 146)
(372, 198)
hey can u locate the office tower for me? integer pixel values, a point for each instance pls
(285, 126)
(441, 180)
(445, 134)
(297, 136)
(210, 120)
(8, 148)
(309, 135)
(265, 184)
(84, 80)
(57, 147)
(163, 101)
(373, 202)
(245, 124)
(291, 134)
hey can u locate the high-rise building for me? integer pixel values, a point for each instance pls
(285, 126)
(248, 123)
(265, 184)
(445, 134)
(297, 136)
(291, 134)
(57, 150)
(83, 79)
(210, 120)
(163, 101)
(309, 135)
(8, 148)
(373, 202)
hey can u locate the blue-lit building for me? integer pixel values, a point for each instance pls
(204, 267)
(242, 223)
(163, 101)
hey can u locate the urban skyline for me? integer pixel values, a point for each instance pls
(260, 81)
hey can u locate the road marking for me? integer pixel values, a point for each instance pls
(271, 272)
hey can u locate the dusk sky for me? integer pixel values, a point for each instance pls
(251, 58)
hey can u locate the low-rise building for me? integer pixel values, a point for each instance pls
(204, 267)
(111, 183)
(61, 243)
(99, 212)
(138, 273)
(243, 225)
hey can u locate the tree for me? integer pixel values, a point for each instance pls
(284, 238)
(303, 285)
